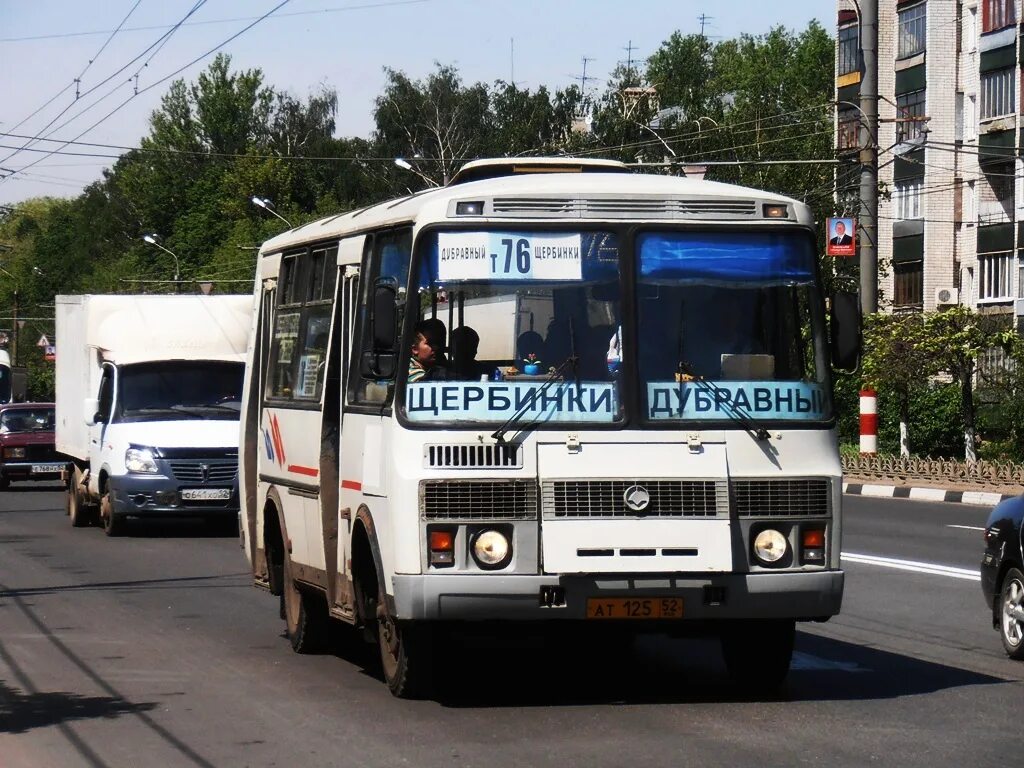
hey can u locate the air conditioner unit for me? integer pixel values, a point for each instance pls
(947, 296)
(1018, 307)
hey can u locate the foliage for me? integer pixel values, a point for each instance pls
(934, 412)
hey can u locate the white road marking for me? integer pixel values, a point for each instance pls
(968, 527)
(914, 566)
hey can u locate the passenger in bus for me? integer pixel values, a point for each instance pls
(440, 333)
(465, 344)
(423, 363)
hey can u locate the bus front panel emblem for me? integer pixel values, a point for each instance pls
(637, 498)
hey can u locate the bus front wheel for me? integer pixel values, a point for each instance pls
(406, 653)
(758, 653)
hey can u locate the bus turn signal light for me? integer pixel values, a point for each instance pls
(442, 548)
(813, 540)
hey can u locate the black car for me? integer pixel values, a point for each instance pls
(1002, 573)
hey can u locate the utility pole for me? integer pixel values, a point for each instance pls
(868, 225)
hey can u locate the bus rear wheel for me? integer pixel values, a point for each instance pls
(758, 653)
(406, 654)
(305, 614)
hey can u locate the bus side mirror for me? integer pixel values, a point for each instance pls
(381, 360)
(844, 328)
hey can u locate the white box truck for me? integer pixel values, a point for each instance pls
(148, 397)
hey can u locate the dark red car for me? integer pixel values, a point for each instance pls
(26, 443)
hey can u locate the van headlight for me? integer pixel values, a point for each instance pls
(491, 549)
(770, 546)
(140, 460)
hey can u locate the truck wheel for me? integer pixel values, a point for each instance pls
(5, 483)
(406, 654)
(758, 653)
(1011, 618)
(113, 525)
(79, 512)
(305, 614)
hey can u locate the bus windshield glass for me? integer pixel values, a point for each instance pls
(514, 325)
(179, 389)
(730, 328)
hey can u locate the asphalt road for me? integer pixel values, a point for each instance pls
(155, 650)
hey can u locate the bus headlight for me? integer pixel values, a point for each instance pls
(140, 460)
(770, 546)
(491, 549)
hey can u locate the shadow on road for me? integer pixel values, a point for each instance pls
(21, 712)
(175, 582)
(661, 670)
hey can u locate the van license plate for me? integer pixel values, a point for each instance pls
(205, 494)
(46, 469)
(634, 608)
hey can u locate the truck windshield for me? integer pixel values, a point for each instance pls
(179, 389)
(511, 323)
(730, 327)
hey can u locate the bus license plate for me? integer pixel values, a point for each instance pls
(46, 469)
(205, 494)
(634, 608)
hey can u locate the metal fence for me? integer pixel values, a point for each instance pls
(982, 473)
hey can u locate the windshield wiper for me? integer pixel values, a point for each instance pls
(752, 425)
(515, 418)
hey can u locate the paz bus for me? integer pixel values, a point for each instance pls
(626, 419)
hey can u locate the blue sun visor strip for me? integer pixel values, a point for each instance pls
(726, 257)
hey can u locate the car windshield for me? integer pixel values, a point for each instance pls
(514, 325)
(26, 420)
(730, 327)
(179, 389)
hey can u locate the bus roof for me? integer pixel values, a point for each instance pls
(592, 196)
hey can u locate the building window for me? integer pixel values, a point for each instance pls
(996, 194)
(910, 114)
(911, 31)
(849, 127)
(997, 97)
(849, 58)
(907, 199)
(995, 282)
(996, 14)
(908, 283)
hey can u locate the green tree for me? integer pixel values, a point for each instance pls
(954, 338)
(897, 362)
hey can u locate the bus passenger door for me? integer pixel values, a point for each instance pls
(335, 516)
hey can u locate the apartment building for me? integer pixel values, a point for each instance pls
(951, 226)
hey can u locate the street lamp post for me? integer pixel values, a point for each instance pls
(154, 241)
(266, 205)
(404, 164)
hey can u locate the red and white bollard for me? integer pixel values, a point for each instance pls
(868, 421)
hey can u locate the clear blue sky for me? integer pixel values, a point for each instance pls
(344, 44)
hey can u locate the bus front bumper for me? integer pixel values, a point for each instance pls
(814, 595)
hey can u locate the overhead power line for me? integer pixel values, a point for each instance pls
(342, 9)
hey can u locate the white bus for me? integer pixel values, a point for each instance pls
(637, 433)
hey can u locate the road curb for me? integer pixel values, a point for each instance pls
(980, 498)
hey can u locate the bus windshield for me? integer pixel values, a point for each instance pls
(730, 327)
(521, 322)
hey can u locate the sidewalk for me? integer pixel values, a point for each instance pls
(981, 498)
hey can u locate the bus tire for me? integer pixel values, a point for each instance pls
(113, 524)
(305, 614)
(758, 653)
(406, 654)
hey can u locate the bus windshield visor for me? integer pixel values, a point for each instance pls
(514, 326)
(179, 389)
(731, 328)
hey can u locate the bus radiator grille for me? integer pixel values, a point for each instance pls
(797, 497)
(478, 500)
(607, 498)
(472, 456)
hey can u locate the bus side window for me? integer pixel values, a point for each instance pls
(387, 254)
